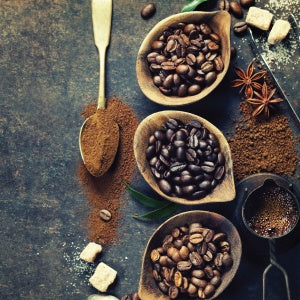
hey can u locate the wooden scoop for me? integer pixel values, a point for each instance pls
(148, 289)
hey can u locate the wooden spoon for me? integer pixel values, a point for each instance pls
(148, 288)
(225, 191)
(105, 131)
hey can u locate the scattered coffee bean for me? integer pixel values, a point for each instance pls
(105, 215)
(182, 56)
(240, 27)
(196, 267)
(223, 5)
(236, 9)
(148, 10)
(247, 3)
(185, 158)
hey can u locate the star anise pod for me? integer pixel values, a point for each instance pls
(248, 80)
(264, 101)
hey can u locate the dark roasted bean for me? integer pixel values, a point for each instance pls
(210, 77)
(219, 172)
(148, 10)
(165, 186)
(236, 9)
(223, 5)
(240, 27)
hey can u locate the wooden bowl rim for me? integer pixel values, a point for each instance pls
(149, 89)
(209, 198)
(194, 213)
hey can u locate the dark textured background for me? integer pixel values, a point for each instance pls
(48, 72)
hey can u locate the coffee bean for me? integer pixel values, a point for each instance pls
(223, 5)
(165, 186)
(209, 290)
(227, 260)
(188, 189)
(216, 281)
(207, 66)
(196, 238)
(135, 296)
(201, 294)
(208, 270)
(236, 9)
(212, 46)
(184, 266)
(182, 90)
(198, 273)
(126, 297)
(148, 10)
(220, 171)
(157, 45)
(219, 65)
(247, 3)
(171, 45)
(105, 215)
(192, 290)
(182, 69)
(163, 287)
(240, 27)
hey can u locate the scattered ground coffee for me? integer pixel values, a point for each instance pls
(104, 192)
(261, 145)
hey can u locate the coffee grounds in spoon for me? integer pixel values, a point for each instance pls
(272, 213)
(99, 140)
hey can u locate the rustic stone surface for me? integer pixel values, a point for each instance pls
(49, 71)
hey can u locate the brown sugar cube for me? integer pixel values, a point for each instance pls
(279, 31)
(103, 277)
(259, 18)
(90, 252)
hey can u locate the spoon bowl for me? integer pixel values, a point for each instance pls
(148, 288)
(224, 191)
(219, 21)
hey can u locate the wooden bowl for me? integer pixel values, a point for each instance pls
(148, 288)
(223, 192)
(219, 21)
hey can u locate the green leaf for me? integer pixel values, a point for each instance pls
(147, 201)
(159, 213)
(191, 5)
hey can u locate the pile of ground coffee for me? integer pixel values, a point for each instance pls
(104, 192)
(261, 145)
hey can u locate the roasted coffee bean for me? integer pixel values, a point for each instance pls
(173, 292)
(184, 252)
(150, 152)
(247, 3)
(240, 27)
(209, 290)
(212, 247)
(216, 281)
(207, 66)
(223, 5)
(198, 273)
(196, 238)
(172, 124)
(191, 59)
(126, 297)
(227, 260)
(201, 294)
(221, 159)
(219, 237)
(184, 266)
(157, 45)
(208, 256)
(148, 10)
(218, 62)
(205, 29)
(219, 260)
(163, 287)
(196, 259)
(236, 9)
(192, 289)
(182, 69)
(165, 186)
(224, 246)
(188, 189)
(210, 77)
(105, 215)
(208, 270)
(208, 235)
(220, 171)
(155, 255)
(212, 46)
(205, 185)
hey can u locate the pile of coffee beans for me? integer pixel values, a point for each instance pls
(191, 261)
(185, 59)
(185, 159)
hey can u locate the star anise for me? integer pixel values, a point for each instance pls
(264, 101)
(248, 80)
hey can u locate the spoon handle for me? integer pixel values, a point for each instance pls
(101, 15)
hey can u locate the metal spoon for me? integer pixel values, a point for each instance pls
(107, 127)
